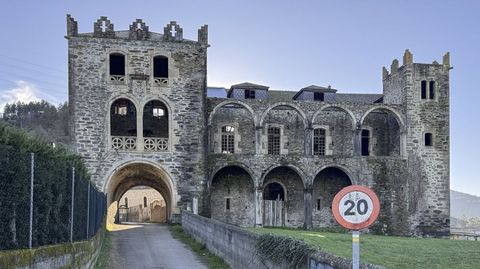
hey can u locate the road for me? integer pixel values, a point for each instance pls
(149, 246)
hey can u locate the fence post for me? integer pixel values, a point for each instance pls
(73, 200)
(32, 169)
(88, 209)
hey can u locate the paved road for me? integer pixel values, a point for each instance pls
(149, 246)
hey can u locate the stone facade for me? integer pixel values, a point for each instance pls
(216, 156)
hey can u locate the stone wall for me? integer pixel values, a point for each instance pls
(238, 247)
(78, 255)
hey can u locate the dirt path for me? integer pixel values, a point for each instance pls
(149, 246)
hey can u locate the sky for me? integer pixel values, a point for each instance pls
(286, 45)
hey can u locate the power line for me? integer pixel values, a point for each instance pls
(30, 63)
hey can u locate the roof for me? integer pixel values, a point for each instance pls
(315, 88)
(359, 98)
(248, 85)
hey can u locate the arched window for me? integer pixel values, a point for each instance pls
(228, 139)
(365, 142)
(117, 67)
(423, 86)
(432, 90)
(319, 139)
(274, 140)
(123, 118)
(160, 69)
(155, 126)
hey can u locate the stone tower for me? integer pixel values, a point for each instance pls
(423, 90)
(138, 103)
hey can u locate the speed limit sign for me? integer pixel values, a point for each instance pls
(355, 207)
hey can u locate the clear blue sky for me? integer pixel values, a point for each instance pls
(282, 44)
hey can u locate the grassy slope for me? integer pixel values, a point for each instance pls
(209, 259)
(393, 252)
(102, 260)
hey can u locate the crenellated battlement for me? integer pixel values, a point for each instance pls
(407, 60)
(138, 30)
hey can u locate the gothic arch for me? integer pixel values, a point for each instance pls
(294, 106)
(224, 103)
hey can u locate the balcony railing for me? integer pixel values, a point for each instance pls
(124, 142)
(155, 144)
(130, 143)
(160, 81)
(117, 78)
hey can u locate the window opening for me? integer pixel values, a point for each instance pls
(319, 204)
(160, 67)
(424, 89)
(144, 201)
(227, 204)
(365, 142)
(318, 96)
(228, 139)
(428, 139)
(432, 89)
(319, 141)
(117, 64)
(121, 108)
(158, 112)
(126, 202)
(274, 140)
(249, 94)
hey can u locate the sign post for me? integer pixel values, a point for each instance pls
(355, 207)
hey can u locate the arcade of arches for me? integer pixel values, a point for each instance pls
(280, 199)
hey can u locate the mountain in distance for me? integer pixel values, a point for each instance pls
(464, 205)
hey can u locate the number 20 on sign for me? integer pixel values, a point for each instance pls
(355, 207)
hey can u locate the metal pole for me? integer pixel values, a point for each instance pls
(73, 199)
(355, 249)
(88, 208)
(32, 168)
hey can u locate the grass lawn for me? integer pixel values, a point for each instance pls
(102, 260)
(391, 251)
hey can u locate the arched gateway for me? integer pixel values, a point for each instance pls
(139, 173)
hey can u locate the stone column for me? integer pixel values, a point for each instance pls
(258, 207)
(140, 129)
(403, 143)
(308, 206)
(357, 141)
(258, 139)
(308, 141)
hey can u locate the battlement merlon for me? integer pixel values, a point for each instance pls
(138, 30)
(408, 60)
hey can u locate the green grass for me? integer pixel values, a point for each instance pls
(102, 260)
(391, 251)
(209, 259)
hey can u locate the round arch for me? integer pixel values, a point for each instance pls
(109, 104)
(395, 113)
(224, 103)
(294, 106)
(345, 170)
(297, 170)
(126, 175)
(239, 165)
(284, 188)
(346, 110)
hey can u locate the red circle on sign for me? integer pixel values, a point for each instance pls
(355, 226)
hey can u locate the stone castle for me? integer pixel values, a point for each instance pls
(144, 115)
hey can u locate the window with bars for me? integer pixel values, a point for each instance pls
(319, 141)
(274, 140)
(228, 139)
(249, 94)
